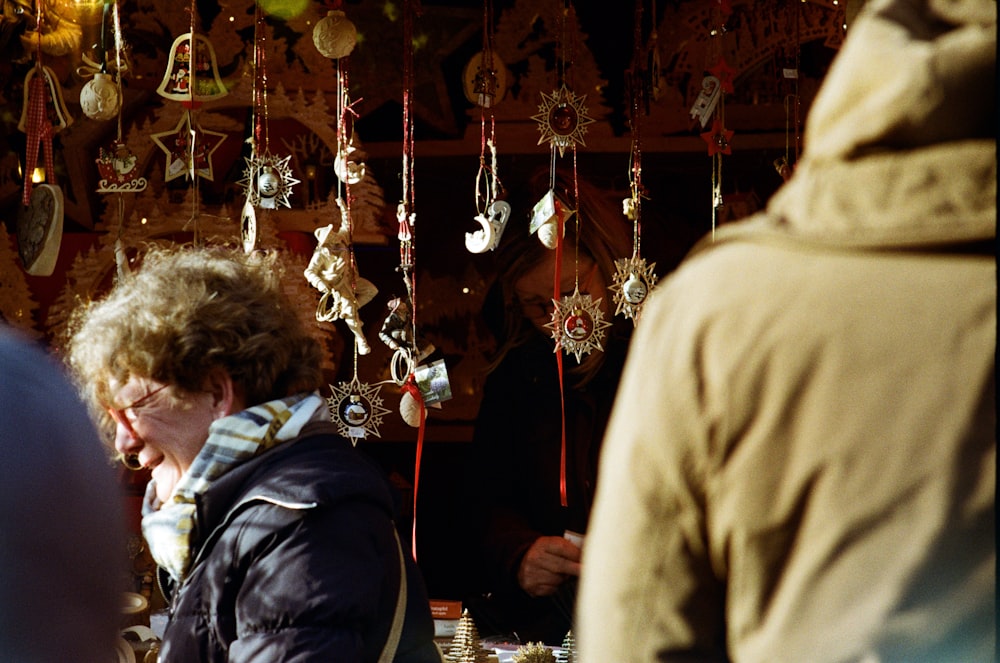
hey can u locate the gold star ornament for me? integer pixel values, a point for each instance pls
(631, 284)
(578, 324)
(562, 119)
(356, 408)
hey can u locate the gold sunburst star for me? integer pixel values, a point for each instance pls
(562, 119)
(578, 324)
(631, 284)
(268, 181)
(356, 408)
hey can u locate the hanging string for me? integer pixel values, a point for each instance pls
(407, 217)
(635, 154)
(487, 173)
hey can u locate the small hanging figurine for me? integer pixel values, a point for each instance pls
(344, 292)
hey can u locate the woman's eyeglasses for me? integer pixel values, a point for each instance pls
(120, 417)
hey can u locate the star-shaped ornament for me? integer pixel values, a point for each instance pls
(268, 181)
(189, 149)
(356, 408)
(719, 139)
(725, 74)
(562, 119)
(578, 324)
(631, 284)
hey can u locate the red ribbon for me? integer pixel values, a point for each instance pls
(556, 295)
(410, 387)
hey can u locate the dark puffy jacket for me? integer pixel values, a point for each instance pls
(295, 559)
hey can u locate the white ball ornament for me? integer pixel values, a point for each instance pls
(335, 35)
(548, 233)
(99, 98)
(409, 410)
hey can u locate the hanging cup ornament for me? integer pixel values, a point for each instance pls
(335, 36)
(99, 98)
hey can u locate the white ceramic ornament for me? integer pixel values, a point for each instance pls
(99, 98)
(409, 410)
(548, 233)
(335, 35)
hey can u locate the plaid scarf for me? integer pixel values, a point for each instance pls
(231, 441)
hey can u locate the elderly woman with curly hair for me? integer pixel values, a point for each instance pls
(273, 535)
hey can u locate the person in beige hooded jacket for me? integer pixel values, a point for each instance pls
(801, 459)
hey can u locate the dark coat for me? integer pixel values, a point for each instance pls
(295, 560)
(518, 438)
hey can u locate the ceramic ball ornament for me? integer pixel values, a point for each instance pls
(335, 35)
(99, 98)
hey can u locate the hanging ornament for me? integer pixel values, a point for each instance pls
(267, 180)
(189, 149)
(347, 168)
(487, 238)
(578, 325)
(248, 227)
(344, 292)
(633, 278)
(356, 408)
(719, 138)
(562, 119)
(334, 35)
(99, 98)
(548, 219)
(707, 100)
(117, 167)
(724, 74)
(484, 79)
(40, 230)
(43, 102)
(192, 77)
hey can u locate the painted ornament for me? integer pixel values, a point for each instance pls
(248, 227)
(40, 230)
(117, 167)
(578, 325)
(189, 149)
(43, 113)
(335, 35)
(192, 77)
(631, 284)
(356, 408)
(99, 98)
(562, 119)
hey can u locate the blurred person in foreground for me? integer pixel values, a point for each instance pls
(527, 565)
(801, 462)
(274, 536)
(62, 547)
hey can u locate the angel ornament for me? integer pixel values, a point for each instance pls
(330, 271)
